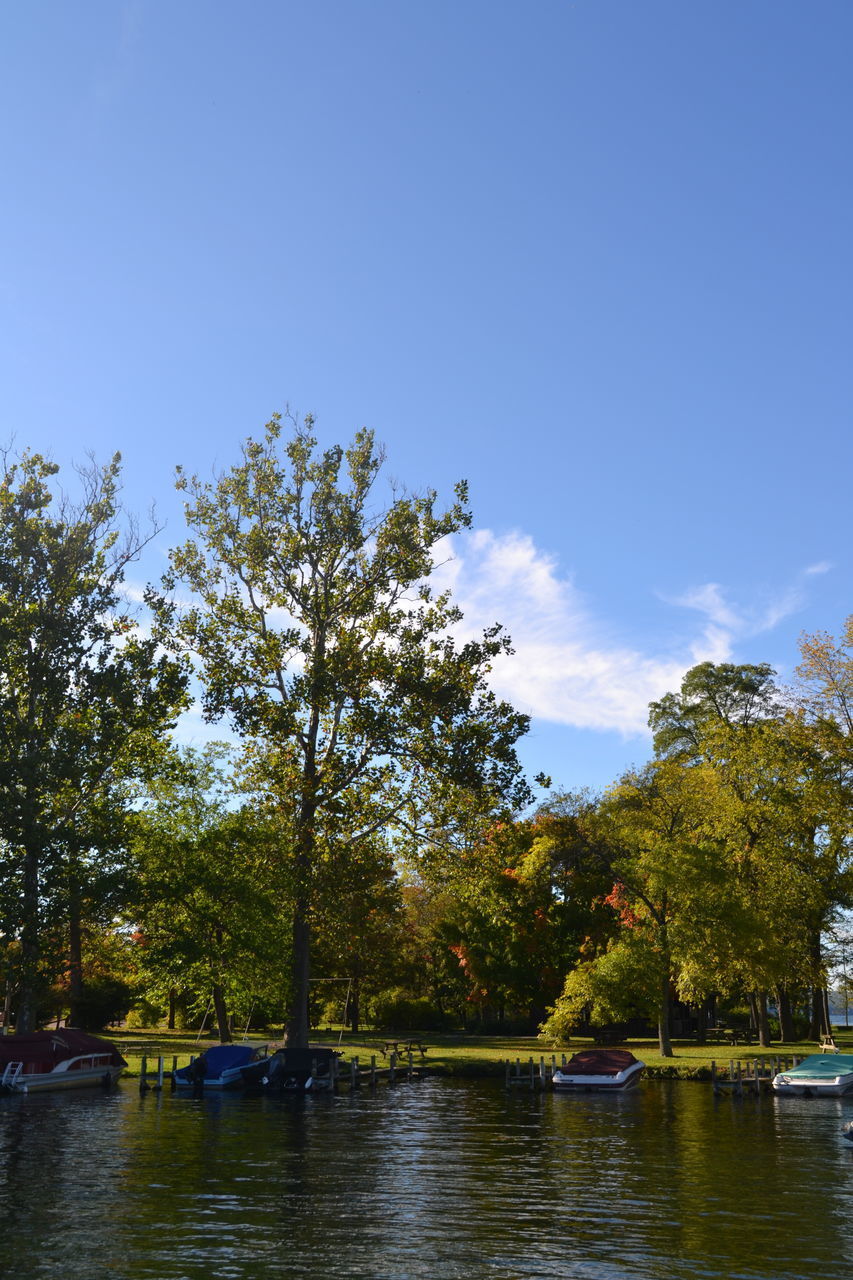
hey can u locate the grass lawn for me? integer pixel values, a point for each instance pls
(469, 1055)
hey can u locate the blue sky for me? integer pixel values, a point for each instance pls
(593, 256)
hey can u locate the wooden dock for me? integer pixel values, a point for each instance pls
(351, 1074)
(740, 1078)
(530, 1074)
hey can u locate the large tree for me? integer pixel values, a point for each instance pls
(316, 632)
(83, 694)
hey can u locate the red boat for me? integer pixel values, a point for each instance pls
(607, 1070)
(64, 1059)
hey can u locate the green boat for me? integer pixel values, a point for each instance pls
(819, 1075)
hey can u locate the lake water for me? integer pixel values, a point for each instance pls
(434, 1179)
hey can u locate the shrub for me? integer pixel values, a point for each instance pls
(145, 1013)
(396, 1011)
(103, 1000)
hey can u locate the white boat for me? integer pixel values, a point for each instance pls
(64, 1059)
(605, 1070)
(820, 1075)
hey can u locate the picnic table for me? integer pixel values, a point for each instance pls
(404, 1046)
(726, 1035)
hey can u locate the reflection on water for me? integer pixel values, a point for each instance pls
(437, 1179)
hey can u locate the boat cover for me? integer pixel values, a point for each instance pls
(225, 1057)
(598, 1062)
(46, 1048)
(823, 1066)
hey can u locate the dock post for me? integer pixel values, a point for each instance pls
(159, 1074)
(532, 1080)
(410, 1064)
(373, 1071)
(353, 1073)
(714, 1076)
(392, 1066)
(143, 1072)
(508, 1066)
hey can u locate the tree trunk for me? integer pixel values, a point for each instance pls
(763, 1020)
(30, 954)
(221, 1013)
(818, 1026)
(664, 1042)
(75, 957)
(296, 1032)
(705, 1018)
(171, 1009)
(786, 1016)
(354, 1011)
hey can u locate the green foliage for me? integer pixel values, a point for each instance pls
(619, 984)
(84, 697)
(711, 694)
(728, 854)
(397, 1011)
(104, 1001)
(209, 902)
(144, 1013)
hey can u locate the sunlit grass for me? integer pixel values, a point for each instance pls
(468, 1055)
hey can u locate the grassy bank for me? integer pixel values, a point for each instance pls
(478, 1056)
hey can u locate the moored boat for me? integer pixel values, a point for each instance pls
(65, 1059)
(219, 1067)
(293, 1069)
(605, 1070)
(819, 1075)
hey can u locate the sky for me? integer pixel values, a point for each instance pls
(592, 256)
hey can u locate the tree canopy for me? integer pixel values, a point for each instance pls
(83, 694)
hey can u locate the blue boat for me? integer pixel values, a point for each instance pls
(219, 1067)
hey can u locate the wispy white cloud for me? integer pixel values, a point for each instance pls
(764, 612)
(708, 599)
(566, 668)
